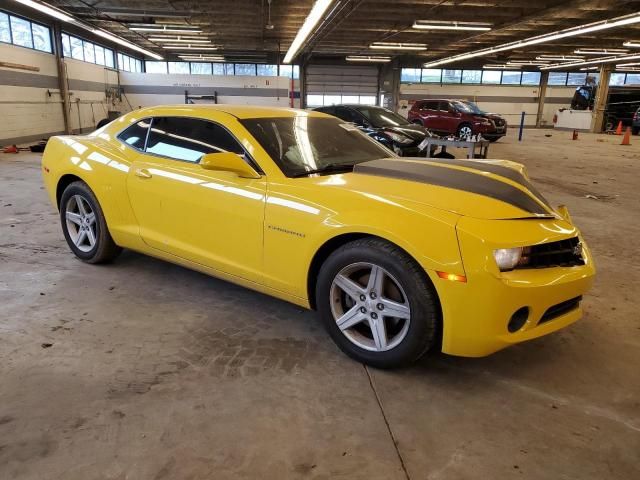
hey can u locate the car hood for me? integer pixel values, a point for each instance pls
(474, 188)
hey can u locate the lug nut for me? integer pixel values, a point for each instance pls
(380, 306)
(362, 298)
(373, 295)
(374, 315)
(363, 310)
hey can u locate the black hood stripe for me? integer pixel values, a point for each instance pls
(452, 178)
(501, 170)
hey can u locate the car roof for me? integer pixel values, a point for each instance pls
(238, 111)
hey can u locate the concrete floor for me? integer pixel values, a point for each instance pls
(145, 370)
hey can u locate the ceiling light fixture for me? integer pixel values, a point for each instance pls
(528, 62)
(601, 51)
(317, 11)
(501, 67)
(632, 44)
(365, 58)
(51, 11)
(178, 40)
(60, 15)
(559, 57)
(631, 64)
(597, 61)
(588, 69)
(165, 29)
(188, 47)
(202, 59)
(451, 25)
(125, 43)
(398, 46)
(548, 37)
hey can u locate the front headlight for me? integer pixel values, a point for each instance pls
(399, 138)
(507, 258)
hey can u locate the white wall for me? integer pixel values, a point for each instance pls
(508, 101)
(148, 89)
(26, 110)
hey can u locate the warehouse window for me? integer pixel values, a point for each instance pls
(410, 75)
(511, 78)
(557, 78)
(471, 76)
(156, 67)
(24, 33)
(245, 69)
(576, 78)
(431, 75)
(268, 70)
(632, 79)
(492, 77)
(129, 64)
(291, 71)
(73, 47)
(198, 68)
(530, 78)
(617, 79)
(179, 68)
(451, 76)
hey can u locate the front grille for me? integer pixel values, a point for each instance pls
(564, 253)
(560, 309)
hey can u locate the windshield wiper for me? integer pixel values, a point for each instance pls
(330, 168)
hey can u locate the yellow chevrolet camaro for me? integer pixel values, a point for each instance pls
(397, 255)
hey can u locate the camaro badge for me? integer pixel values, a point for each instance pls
(577, 250)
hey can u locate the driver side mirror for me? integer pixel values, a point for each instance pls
(228, 162)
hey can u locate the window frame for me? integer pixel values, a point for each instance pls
(31, 23)
(120, 132)
(248, 157)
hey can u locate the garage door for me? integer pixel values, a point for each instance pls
(330, 85)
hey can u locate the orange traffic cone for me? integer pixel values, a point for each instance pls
(11, 149)
(619, 129)
(627, 137)
(575, 135)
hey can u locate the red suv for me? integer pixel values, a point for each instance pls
(459, 117)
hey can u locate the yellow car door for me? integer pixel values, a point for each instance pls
(214, 218)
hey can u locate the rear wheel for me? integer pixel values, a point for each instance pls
(84, 225)
(377, 304)
(464, 131)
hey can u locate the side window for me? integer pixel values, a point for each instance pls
(136, 134)
(348, 115)
(444, 106)
(188, 139)
(430, 106)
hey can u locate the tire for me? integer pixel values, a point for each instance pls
(462, 129)
(406, 289)
(80, 228)
(102, 123)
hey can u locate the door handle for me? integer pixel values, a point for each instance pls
(142, 173)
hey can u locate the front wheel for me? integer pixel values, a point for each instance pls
(84, 225)
(464, 131)
(377, 303)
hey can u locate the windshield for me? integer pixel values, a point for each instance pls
(309, 144)
(381, 117)
(467, 107)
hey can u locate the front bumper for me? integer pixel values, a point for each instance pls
(476, 314)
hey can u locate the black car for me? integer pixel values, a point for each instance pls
(389, 128)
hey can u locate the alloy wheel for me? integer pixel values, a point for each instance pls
(465, 132)
(370, 307)
(81, 223)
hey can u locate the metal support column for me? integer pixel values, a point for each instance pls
(544, 81)
(600, 104)
(62, 78)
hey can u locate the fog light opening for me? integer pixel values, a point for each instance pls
(518, 319)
